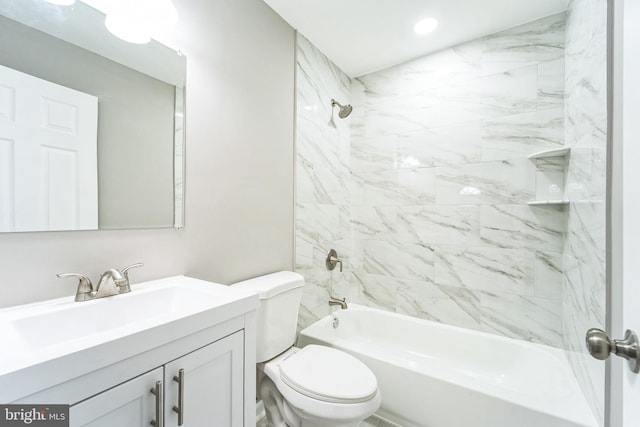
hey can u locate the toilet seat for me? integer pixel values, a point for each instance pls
(308, 407)
(328, 375)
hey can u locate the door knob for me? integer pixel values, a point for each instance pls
(600, 347)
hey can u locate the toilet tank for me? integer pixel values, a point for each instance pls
(277, 317)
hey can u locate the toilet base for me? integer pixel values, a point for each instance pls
(309, 423)
(285, 407)
(280, 414)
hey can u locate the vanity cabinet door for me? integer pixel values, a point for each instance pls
(131, 404)
(209, 384)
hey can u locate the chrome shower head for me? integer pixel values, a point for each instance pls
(344, 111)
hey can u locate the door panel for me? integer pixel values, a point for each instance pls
(213, 385)
(128, 405)
(7, 103)
(6, 184)
(623, 313)
(631, 205)
(60, 206)
(52, 131)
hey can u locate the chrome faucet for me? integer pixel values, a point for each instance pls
(125, 286)
(85, 288)
(112, 275)
(120, 280)
(337, 301)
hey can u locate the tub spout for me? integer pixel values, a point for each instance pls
(337, 301)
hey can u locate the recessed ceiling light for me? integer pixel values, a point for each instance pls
(425, 26)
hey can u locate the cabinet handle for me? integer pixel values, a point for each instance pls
(180, 408)
(157, 392)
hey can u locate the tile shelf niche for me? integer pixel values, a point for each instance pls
(547, 179)
(555, 152)
(547, 202)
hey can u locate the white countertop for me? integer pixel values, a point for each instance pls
(45, 343)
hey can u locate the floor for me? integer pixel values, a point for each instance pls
(372, 421)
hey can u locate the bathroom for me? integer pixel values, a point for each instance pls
(262, 195)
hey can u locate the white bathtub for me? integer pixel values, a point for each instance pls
(436, 375)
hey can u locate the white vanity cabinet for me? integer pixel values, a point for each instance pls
(205, 387)
(210, 382)
(202, 363)
(127, 405)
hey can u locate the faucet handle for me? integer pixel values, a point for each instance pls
(126, 286)
(85, 287)
(125, 271)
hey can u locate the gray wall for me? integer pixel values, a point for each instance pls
(239, 183)
(135, 123)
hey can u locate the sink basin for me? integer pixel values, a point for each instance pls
(151, 315)
(57, 323)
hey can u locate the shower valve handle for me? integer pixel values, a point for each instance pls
(332, 260)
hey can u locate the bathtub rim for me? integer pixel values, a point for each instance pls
(581, 413)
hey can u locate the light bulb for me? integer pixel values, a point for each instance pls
(135, 21)
(164, 12)
(129, 30)
(425, 26)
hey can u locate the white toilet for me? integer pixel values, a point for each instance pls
(314, 386)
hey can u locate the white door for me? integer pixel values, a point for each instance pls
(209, 383)
(131, 404)
(48, 155)
(624, 307)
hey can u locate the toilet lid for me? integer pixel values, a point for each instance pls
(330, 375)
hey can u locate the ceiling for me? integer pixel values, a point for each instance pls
(362, 36)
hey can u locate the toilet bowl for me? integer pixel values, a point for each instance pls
(318, 386)
(314, 386)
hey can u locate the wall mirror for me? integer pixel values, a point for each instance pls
(91, 126)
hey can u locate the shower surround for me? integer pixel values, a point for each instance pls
(322, 179)
(441, 180)
(428, 190)
(423, 190)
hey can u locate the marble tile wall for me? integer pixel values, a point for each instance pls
(423, 190)
(440, 224)
(584, 285)
(322, 178)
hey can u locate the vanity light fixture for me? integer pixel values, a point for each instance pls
(135, 21)
(425, 26)
(127, 28)
(132, 20)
